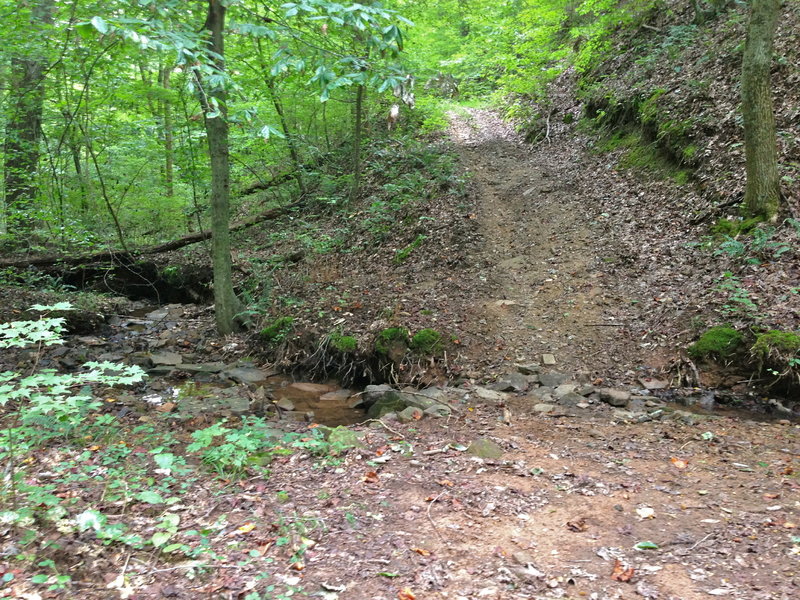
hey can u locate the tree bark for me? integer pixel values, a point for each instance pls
(762, 190)
(23, 130)
(226, 304)
(169, 138)
(355, 187)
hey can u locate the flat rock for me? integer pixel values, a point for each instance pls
(238, 405)
(485, 448)
(371, 393)
(548, 359)
(439, 411)
(246, 374)
(651, 383)
(487, 394)
(336, 396)
(564, 389)
(312, 389)
(528, 369)
(571, 399)
(511, 382)
(417, 400)
(553, 379)
(284, 404)
(388, 403)
(614, 397)
(203, 367)
(166, 358)
(543, 407)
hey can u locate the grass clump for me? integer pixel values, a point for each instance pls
(717, 342)
(344, 343)
(402, 254)
(427, 341)
(391, 338)
(277, 331)
(778, 347)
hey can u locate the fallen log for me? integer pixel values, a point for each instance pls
(126, 257)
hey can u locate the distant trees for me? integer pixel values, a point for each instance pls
(762, 191)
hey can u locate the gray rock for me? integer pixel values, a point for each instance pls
(548, 359)
(372, 393)
(571, 399)
(585, 389)
(564, 389)
(529, 369)
(637, 403)
(511, 382)
(336, 396)
(487, 394)
(582, 405)
(543, 407)
(203, 367)
(409, 414)
(553, 379)
(298, 416)
(438, 411)
(614, 397)
(434, 393)
(285, 404)
(485, 448)
(239, 405)
(245, 375)
(166, 358)
(388, 402)
(416, 400)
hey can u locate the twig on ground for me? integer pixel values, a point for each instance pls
(428, 513)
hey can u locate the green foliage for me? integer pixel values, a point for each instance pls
(276, 332)
(779, 350)
(402, 254)
(739, 302)
(391, 338)
(343, 343)
(718, 342)
(427, 342)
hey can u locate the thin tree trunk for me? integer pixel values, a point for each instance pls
(169, 139)
(23, 130)
(356, 185)
(762, 191)
(226, 305)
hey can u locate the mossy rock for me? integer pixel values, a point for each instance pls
(776, 346)
(734, 227)
(344, 343)
(389, 339)
(427, 342)
(717, 342)
(276, 332)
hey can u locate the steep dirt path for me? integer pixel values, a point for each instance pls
(541, 291)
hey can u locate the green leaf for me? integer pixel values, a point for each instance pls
(172, 548)
(646, 546)
(39, 578)
(160, 538)
(100, 24)
(90, 519)
(150, 497)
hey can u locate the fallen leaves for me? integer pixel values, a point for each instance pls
(679, 463)
(406, 594)
(577, 526)
(621, 573)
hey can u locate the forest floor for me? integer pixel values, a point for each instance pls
(578, 502)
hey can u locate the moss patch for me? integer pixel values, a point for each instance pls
(277, 331)
(734, 227)
(389, 339)
(344, 343)
(781, 345)
(427, 341)
(717, 342)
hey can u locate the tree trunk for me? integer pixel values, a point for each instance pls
(226, 305)
(357, 131)
(762, 191)
(169, 139)
(23, 130)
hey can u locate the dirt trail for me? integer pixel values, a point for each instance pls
(543, 292)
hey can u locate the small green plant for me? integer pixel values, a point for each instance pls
(343, 343)
(739, 300)
(278, 330)
(427, 342)
(391, 338)
(778, 350)
(402, 254)
(231, 452)
(718, 342)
